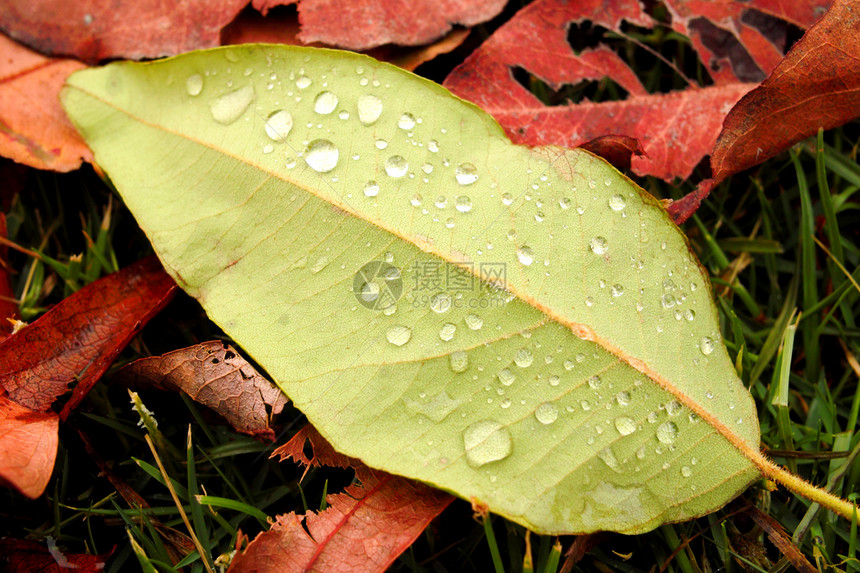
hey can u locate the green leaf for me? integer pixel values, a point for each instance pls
(523, 327)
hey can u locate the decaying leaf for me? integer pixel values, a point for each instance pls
(28, 448)
(215, 375)
(817, 85)
(364, 529)
(92, 30)
(33, 128)
(364, 24)
(76, 341)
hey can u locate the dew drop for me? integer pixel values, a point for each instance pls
(686, 471)
(321, 155)
(554, 380)
(406, 121)
(598, 245)
(625, 426)
(463, 204)
(668, 301)
(506, 377)
(433, 146)
(427, 168)
(399, 335)
(416, 200)
(546, 413)
(616, 290)
(623, 398)
(447, 331)
(303, 82)
(564, 203)
(690, 315)
(369, 109)
(507, 199)
(667, 432)
(230, 106)
(706, 345)
(278, 125)
(617, 203)
(396, 166)
(466, 174)
(441, 202)
(585, 405)
(525, 255)
(594, 382)
(371, 189)
(524, 358)
(486, 441)
(381, 144)
(474, 322)
(194, 84)
(325, 103)
(319, 265)
(459, 361)
(674, 408)
(440, 303)
(343, 114)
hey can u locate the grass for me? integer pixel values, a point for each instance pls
(781, 242)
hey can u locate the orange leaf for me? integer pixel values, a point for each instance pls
(816, 85)
(214, 374)
(33, 128)
(28, 447)
(363, 529)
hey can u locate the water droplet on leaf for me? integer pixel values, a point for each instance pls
(667, 432)
(399, 335)
(486, 441)
(466, 174)
(625, 426)
(325, 103)
(278, 125)
(396, 166)
(598, 245)
(230, 106)
(321, 155)
(194, 84)
(369, 109)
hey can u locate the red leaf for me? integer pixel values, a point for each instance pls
(25, 556)
(33, 128)
(78, 340)
(741, 40)
(363, 529)
(816, 85)
(363, 24)
(93, 30)
(675, 130)
(283, 28)
(28, 448)
(215, 375)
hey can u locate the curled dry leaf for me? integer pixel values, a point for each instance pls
(363, 529)
(78, 340)
(28, 448)
(25, 556)
(364, 24)
(816, 85)
(33, 128)
(91, 30)
(215, 375)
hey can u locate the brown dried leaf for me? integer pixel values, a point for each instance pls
(215, 375)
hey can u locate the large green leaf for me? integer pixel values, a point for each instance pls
(554, 353)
